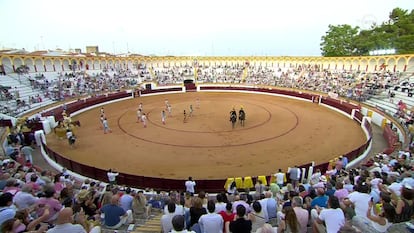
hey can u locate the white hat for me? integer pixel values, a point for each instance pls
(323, 179)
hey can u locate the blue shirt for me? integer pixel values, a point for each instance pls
(113, 214)
(321, 201)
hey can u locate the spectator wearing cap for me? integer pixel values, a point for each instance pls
(7, 211)
(315, 177)
(321, 182)
(85, 200)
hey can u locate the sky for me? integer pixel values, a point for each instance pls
(185, 27)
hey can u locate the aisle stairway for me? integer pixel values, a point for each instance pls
(153, 225)
(142, 225)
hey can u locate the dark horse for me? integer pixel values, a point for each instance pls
(242, 117)
(233, 117)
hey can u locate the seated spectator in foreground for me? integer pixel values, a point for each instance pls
(321, 200)
(267, 228)
(115, 216)
(140, 205)
(6, 210)
(196, 211)
(227, 216)
(257, 216)
(32, 224)
(378, 222)
(359, 199)
(290, 222)
(302, 215)
(25, 198)
(64, 223)
(404, 205)
(15, 225)
(331, 219)
(166, 219)
(179, 225)
(50, 201)
(211, 222)
(240, 225)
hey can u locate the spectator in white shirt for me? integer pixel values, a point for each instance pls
(211, 222)
(166, 219)
(333, 217)
(189, 185)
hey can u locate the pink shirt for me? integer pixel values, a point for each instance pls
(54, 207)
(303, 216)
(341, 194)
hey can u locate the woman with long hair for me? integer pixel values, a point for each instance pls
(196, 210)
(404, 206)
(290, 223)
(377, 221)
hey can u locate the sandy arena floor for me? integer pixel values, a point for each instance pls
(279, 132)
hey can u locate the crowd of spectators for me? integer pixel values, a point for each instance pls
(34, 200)
(370, 198)
(358, 85)
(173, 75)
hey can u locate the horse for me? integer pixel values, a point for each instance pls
(242, 117)
(233, 118)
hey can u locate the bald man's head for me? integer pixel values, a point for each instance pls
(115, 200)
(65, 216)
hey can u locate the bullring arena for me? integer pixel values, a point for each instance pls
(279, 133)
(284, 126)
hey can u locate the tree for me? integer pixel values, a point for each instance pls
(339, 40)
(395, 33)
